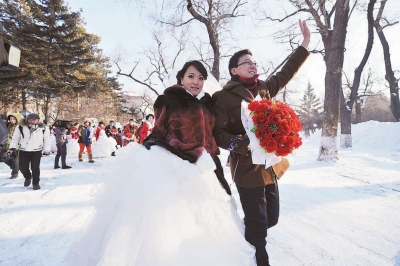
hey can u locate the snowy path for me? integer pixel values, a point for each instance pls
(343, 213)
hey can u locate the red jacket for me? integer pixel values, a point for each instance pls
(145, 131)
(97, 133)
(129, 131)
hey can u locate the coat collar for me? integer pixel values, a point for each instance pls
(238, 89)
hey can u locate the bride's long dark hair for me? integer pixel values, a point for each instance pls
(197, 64)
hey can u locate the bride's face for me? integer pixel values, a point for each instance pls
(193, 80)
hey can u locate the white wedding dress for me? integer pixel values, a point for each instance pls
(154, 208)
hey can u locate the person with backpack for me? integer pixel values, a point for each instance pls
(11, 125)
(33, 137)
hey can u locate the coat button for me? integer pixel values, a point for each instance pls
(236, 145)
(232, 120)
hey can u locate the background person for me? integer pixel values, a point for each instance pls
(33, 138)
(61, 134)
(85, 141)
(12, 124)
(147, 127)
(130, 132)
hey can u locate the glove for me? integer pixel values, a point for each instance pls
(149, 143)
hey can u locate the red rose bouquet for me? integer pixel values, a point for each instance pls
(276, 126)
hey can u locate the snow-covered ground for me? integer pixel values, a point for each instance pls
(336, 213)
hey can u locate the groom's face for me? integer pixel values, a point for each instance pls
(246, 67)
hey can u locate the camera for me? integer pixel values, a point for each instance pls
(10, 156)
(63, 124)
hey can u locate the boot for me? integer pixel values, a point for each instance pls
(113, 153)
(80, 156)
(66, 167)
(35, 186)
(56, 166)
(27, 182)
(91, 158)
(14, 176)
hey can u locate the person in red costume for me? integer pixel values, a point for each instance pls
(99, 128)
(129, 132)
(74, 131)
(147, 127)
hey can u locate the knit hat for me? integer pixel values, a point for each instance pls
(32, 116)
(4, 117)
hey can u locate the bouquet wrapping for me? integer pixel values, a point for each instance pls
(273, 129)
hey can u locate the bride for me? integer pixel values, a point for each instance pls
(169, 204)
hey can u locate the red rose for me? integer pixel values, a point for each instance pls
(283, 151)
(261, 119)
(270, 145)
(284, 128)
(280, 139)
(255, 119)
(296, 125)
(298, 142)
(258, 133)
(252, 105)
(275, 119)
(263, 129)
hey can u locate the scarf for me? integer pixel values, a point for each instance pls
(249, 83)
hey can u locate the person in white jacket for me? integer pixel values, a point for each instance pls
(33, 138)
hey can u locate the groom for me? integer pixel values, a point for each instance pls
(257, 186)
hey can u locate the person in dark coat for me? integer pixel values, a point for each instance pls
(12, 124)
(3, 137)
(257, 186)
(61, 143)
(185, 119)
(109, 129)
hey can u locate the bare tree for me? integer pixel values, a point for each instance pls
(160, 63)
(333, 37)
(215, 15)
(393, 82)
(346, 108)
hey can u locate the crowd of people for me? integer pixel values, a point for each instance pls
(24, 140)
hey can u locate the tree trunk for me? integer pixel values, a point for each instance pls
(46, 106)
(346, 109)
(393, 83)
(345, 123)
(212, 31)
(214, 42)
(358, 111)
(333, 82)
(23, 96)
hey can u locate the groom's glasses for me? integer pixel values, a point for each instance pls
(249, 63)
